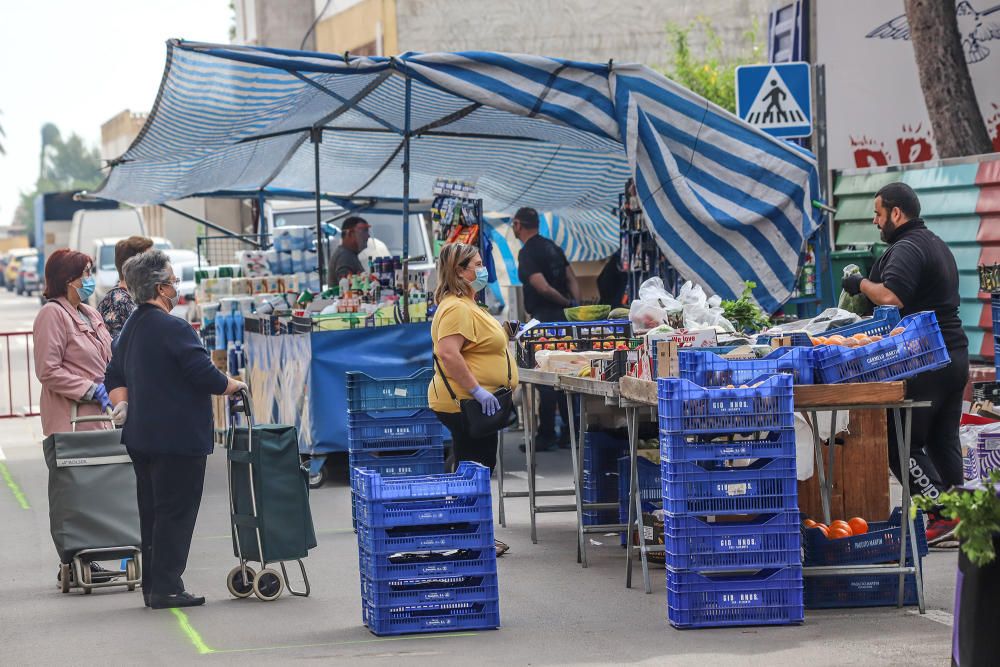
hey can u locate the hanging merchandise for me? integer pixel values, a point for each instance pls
(457, 217)
(638, 255)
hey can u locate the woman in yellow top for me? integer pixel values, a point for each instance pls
(472, 349)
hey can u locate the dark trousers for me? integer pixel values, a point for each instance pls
(935, 451)
(551, 401)
(465, 447)
(169, 492)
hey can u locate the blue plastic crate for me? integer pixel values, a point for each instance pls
(883, 319)
(444, 590)
(764, 487)
(471, 479)
(769, 597)
(766, 541)
(879, 545)
(858, 590)
(995, 310)
(448, 563)
(917, 349)
(769, 444)
(650, 486)
(432, 618)
(395, 514)
(571, 336)
(366, 394)
(393, 429)
(383, 541)
(392, 463)
(711, 370)
(686, 407)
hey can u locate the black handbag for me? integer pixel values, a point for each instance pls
(478, 424)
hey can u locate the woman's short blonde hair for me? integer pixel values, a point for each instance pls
(454, 257)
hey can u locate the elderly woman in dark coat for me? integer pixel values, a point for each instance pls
(162, 379)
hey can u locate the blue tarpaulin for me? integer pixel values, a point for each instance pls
(727, 202)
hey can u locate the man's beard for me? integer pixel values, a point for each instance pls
(887, 231)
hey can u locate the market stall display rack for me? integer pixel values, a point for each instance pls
(425, 563)
(639, 258)
(731, 534)
(604, 335)
(393, 441)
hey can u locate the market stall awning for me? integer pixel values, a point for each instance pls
(727, 202)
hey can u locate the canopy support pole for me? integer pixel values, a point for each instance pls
(406, 203)
(262, 230)
(316, 137)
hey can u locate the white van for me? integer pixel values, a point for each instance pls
(90, 225)
(105, 273)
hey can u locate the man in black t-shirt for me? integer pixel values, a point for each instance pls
(918, 272)
(549, 286)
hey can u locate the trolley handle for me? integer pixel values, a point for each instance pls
(240, 402)
(74, 419)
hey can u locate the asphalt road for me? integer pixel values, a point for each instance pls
(552, 610)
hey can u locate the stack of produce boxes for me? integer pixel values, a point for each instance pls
(390, 429)
(425, 551)
(601, 451)
(731, 526)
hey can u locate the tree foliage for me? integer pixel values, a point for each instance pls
(711, 74)
(64, 164)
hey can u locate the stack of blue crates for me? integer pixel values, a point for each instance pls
(731, 525)
(601, 451)
(426, 553)
(390, 429)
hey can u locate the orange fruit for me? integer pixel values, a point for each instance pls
(840, 523)
(809, 523)
(858, 525)
(896, 331)
(860, 336)
(823, 529)
(837, 533)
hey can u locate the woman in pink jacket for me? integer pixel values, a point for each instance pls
(72, 345)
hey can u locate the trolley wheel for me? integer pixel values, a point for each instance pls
(65, 574)
(85, 576)
(131, 572)
(268, 585)
(239, 588)
(317, 480)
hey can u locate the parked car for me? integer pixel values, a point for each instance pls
(13, 265)
(184, 263)
(28, 280)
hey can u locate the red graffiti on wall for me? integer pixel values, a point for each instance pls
(993, 127)
(869, 153)
(915, 145)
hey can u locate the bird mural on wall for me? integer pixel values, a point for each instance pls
(973, 28)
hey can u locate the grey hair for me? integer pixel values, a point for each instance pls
(144, 272)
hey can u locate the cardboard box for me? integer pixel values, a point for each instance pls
(687, 338)
(220, 358)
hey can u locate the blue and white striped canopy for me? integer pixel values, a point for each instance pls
(727, 202)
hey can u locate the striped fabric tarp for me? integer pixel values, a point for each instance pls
(727, 202)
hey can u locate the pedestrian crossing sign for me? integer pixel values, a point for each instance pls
(777, 98)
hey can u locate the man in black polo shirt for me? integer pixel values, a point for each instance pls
(916, 273)
(549, 287)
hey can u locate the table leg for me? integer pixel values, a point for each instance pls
(631, 424)
(903, 435)
(831, 470)
(529, 446)
(500, 503)
(581, 549)
(820, 472)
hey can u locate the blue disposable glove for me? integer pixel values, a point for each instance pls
(101, 396)
(487, 401)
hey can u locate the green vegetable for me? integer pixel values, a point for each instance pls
(978, 514)
(744, 313)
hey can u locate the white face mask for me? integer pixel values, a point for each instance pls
(171, 300)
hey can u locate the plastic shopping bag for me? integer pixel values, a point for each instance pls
(859, 304)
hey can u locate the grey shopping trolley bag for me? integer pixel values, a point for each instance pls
(93, 510)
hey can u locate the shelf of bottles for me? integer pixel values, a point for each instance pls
(638, 255)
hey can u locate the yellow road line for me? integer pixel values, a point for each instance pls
(14, 488)
(191, 633)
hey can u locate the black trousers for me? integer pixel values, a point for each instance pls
(935, 451)
(551, 401)
(169, 491)
(467, 448)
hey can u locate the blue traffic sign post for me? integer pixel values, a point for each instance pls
(777, 98)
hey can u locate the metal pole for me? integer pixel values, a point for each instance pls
(316, 137)
(261, 220)
(406, 202)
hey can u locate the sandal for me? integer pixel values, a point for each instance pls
(500, 547)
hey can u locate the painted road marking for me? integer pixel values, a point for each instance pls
(14, 488)
(936, 615)
(204, 649)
